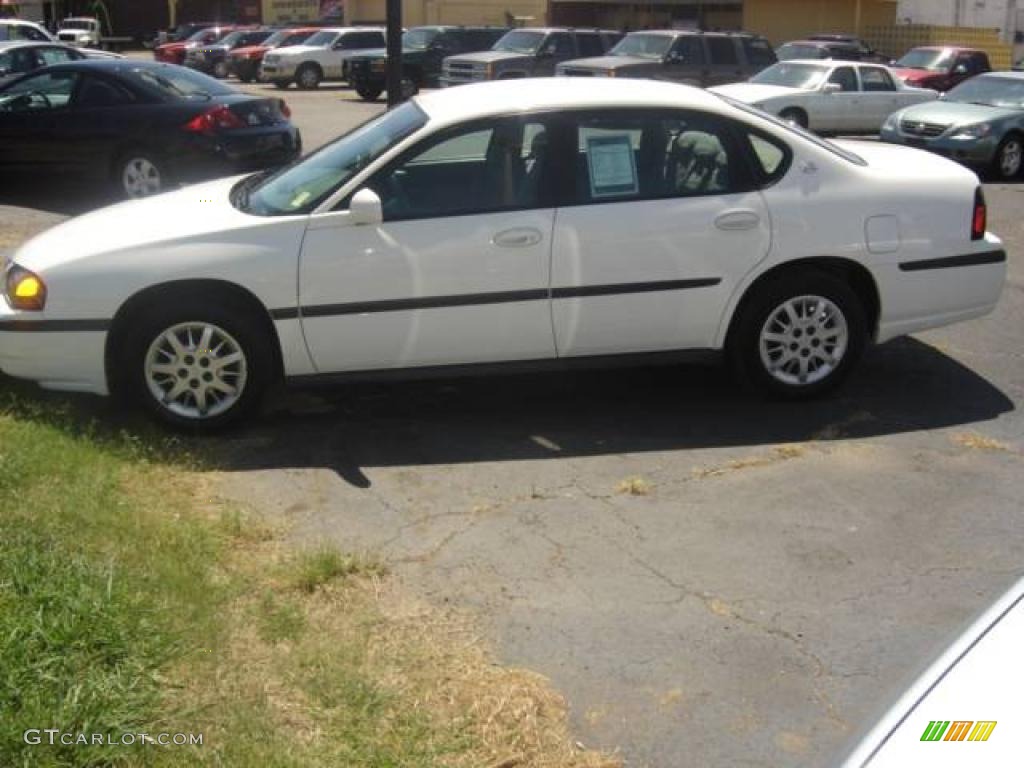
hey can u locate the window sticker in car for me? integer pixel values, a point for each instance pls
(612, 166)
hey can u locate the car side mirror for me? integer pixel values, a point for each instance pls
(832, 88)
(960, 69)
(365, 208)
(4, 71)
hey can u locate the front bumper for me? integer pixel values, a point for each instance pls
(976, 153)
(65, 355)
(280, 70)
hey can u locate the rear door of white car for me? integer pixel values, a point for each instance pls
(458, 272)
(880, 97)
(662, 218)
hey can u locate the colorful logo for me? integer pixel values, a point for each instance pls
(958, 730)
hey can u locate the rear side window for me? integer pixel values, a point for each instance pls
(25, 32)
(357, 40)
(875, 79)
(644, 156)
(18, 62)
(759, 53)
(590, 44)
(722, 50)
(57, 56)
(771, 157)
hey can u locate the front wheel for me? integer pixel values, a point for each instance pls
(197, 368)
(1008, 159)
(799, 336)
(794, 117)
(368, 92)
(220, 70)
(308, 77)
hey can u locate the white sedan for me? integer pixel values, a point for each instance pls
(542, 222)
(828, 96)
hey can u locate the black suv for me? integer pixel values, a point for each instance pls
(528, 52)
(423, 51)
(213, 59)
(695, 58)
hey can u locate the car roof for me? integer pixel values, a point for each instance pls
(467, 102)
(1008, 74)
(820, 43)
(7, 45)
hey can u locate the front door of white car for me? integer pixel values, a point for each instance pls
(457, 272)
(837, 104)
(879, 99)
(664, 221)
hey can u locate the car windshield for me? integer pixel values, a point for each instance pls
(76, 24)
(232, 38)
(322, 39)
(642, 45)
(199, 36)
(923, 58)
(299, 188)
(277, 38)
(806, 76)
(1005, 92)
(796, 51)
(180, 83)
(419, 39)
(520, 41)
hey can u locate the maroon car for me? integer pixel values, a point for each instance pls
(940, 68)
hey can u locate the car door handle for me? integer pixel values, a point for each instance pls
(519, 237)
(737, 220)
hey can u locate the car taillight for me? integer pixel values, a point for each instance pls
(211, 121)
(979, 220)
(285, 109)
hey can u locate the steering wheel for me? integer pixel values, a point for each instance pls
(39, 96)
(396, 198)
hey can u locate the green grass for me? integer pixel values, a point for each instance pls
(128, 604)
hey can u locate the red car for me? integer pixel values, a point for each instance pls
(940, 68)
(174, 53)
(244, 63)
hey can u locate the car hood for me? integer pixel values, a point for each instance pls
(609, 62)
(957, 113)
(178, 216)
(245, 50)
(299, 50)
(753, 93)
(915, 74)
(486, 57)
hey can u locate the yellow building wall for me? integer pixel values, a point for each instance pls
(782, 20)
(896, 40)
(419, 12)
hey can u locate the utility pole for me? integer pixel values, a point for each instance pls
(394, 57)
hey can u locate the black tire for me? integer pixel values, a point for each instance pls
(308, 77)
(749, 359)
(368, 92)
(227, 314)
(220, 70)
(246, 78)
(281, 84)
(795, 116)
(136, 161)
(409, 88)
(1004, 167)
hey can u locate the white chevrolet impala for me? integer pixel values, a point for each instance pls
(542, 222)
(828, 96)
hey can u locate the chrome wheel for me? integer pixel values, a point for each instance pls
(1010, 158)
(803, 340)
(308, 78)
(140, 177)
(220, 70)
(196, 370)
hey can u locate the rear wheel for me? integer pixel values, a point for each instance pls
(799, 335)
(794, 116)
(197, 367)
(220, 70)
(1009, 156)
(308, 77)
(140, 173)
(368, 92)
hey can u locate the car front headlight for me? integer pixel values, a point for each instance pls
(976, 131)
(24, 289)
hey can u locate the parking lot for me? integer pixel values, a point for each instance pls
(709, 578)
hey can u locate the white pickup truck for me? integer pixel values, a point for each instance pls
(86, 32)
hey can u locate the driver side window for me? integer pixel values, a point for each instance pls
(845, 77)
(497, 166)
(51, 90)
